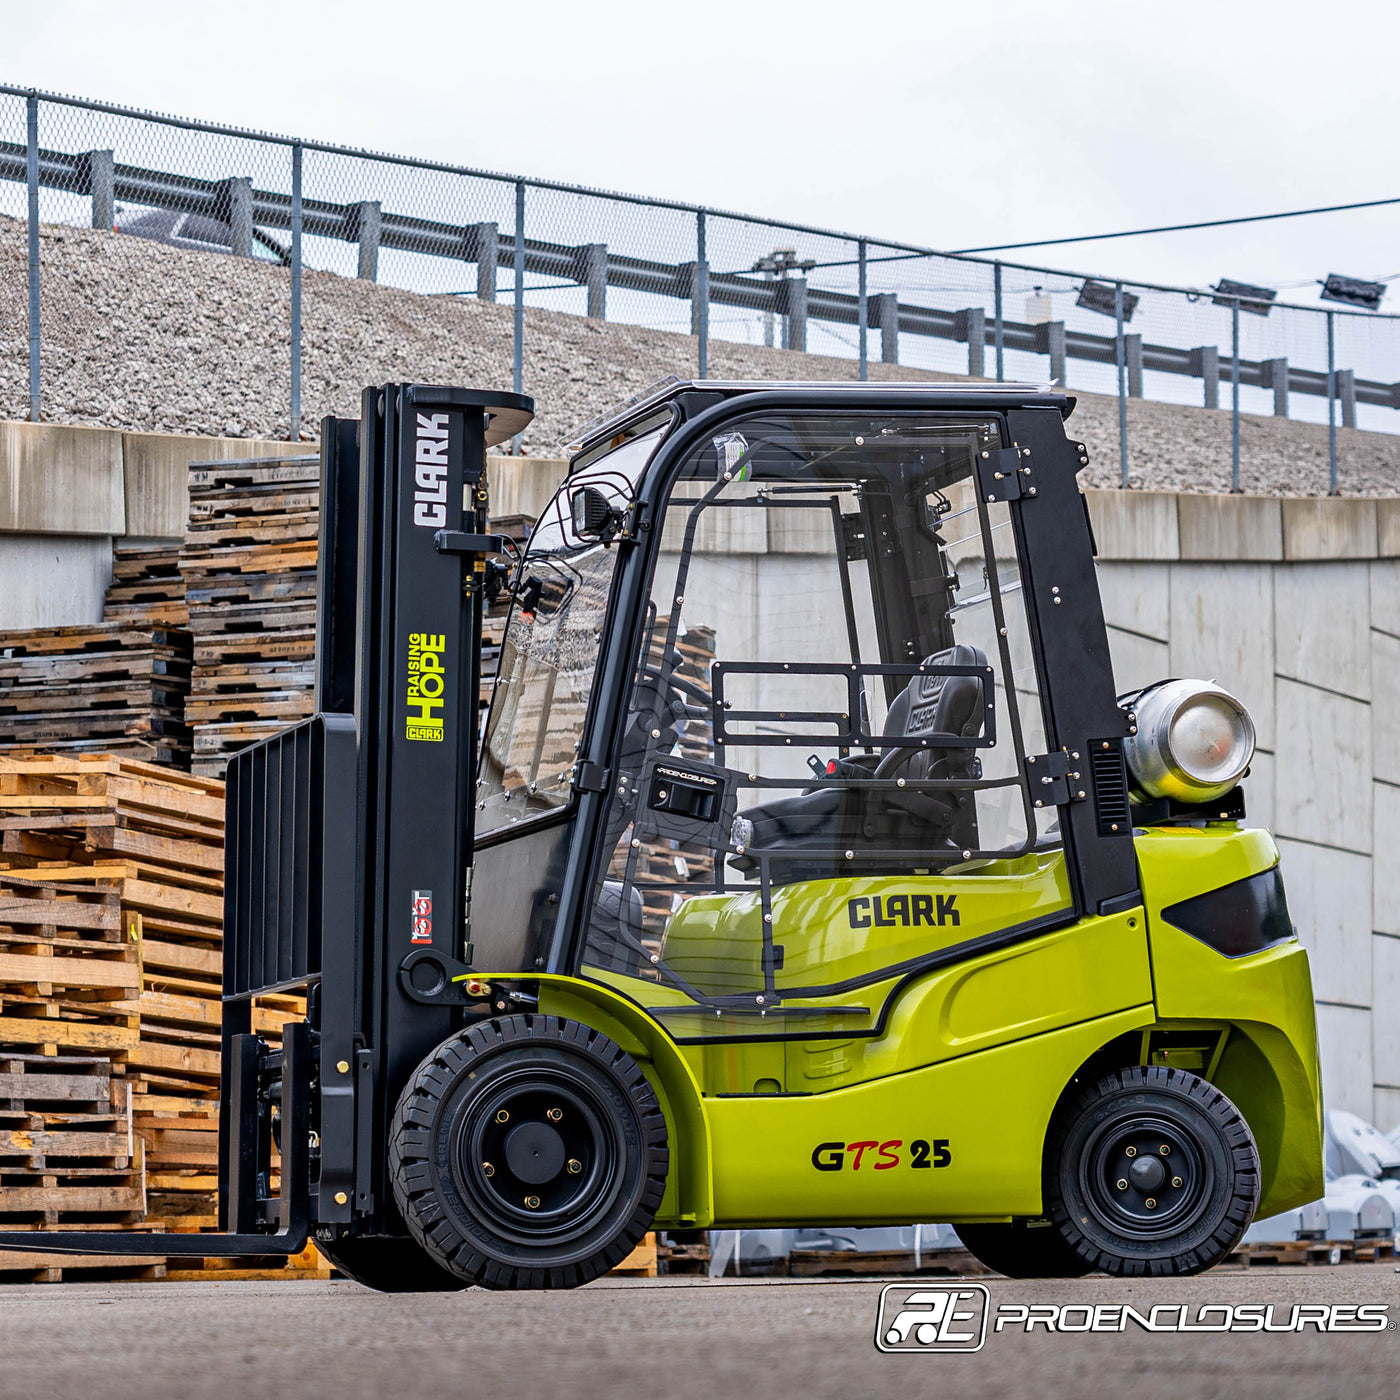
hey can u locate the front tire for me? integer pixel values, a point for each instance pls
(389, 1265)
(528, 1152)
(1151, 1171)
(1022, 1249)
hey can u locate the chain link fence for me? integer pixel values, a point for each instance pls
(168, 275)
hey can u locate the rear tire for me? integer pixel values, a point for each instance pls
(1151, 1171)
(1020, 1249)
(528, 1152)
(389, 1265)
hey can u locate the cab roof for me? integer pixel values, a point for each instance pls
(838, 393)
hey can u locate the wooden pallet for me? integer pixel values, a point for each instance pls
(1303, 1253)
(95, 686)
(683, 1257)
(642, 1262)
(844, 1263)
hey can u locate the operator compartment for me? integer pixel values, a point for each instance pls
(822, 776)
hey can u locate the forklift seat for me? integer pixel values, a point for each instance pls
(832, 812)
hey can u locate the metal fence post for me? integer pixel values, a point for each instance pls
(32, 176)
(518, 349)
(1120, 356)
(1235, 397)
(702, 298)
(1331, 408)
(296, 292)
(996, 283)
(863, 298)
(102, 186)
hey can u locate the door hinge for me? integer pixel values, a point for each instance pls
(590, 777)
(1056, 779)
(1003, 473)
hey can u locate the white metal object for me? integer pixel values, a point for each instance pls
(1194, 741)
(1355, 1147)
(1358, 1209)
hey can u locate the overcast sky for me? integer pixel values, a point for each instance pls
(949, 125)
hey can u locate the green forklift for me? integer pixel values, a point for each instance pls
(810, 869)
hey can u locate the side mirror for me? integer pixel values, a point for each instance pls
(594, 518)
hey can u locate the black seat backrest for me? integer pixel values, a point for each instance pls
(940, 703)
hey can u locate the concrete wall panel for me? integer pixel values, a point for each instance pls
(1329, 897)
(1385, 1023)
(1222, 629)
(1386, 1115)
(1329, 527)
(1344, 1039)
(53, 580)
(1322, 620)
(59, 480)
(1385, 713)
(1134, 524)
(1137, 661)
(1324, 763)
(1385, 595)
(1230, 527)
(523, 485)
(1385, 898)
(1136, 597)
(1259, 791)
(157, 469)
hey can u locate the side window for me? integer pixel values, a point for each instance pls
(550, 650)
(822, 774)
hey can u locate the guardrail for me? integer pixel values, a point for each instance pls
(279, 219)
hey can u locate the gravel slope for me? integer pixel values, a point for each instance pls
(139, 336)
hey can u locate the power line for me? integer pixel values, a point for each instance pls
(1181, 228)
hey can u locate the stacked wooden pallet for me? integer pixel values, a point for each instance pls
(113, 687)
(249, 569)
(145, 846)
(68, 1157)
(146, 586)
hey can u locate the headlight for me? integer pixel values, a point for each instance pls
(1193, 741)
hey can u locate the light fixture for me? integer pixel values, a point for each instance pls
(1255, 300)
(1352, 291)
(1102, 297)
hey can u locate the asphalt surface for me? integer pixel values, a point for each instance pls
(674, 1337)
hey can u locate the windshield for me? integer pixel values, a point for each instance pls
(551, 648)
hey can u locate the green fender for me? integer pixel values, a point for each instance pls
(689, 1199)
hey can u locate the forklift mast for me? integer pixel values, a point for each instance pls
(348, 835)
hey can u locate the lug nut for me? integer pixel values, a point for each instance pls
(532, 1202)
(1132, 1152)
(1165, 1149)
(487, 1169)
(1176, 1181)
(502, 1116)
(1122, 1183)
(574, 1166)
(1151, 1204)
(554, 1114)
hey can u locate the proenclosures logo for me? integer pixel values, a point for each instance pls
(944, 1317)
(932, 1317)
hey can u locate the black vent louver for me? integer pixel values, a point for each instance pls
(1110, 788)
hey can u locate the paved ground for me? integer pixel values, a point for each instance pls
(670, 1338)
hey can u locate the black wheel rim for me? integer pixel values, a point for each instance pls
(537, 1155)
(1145, 1176)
